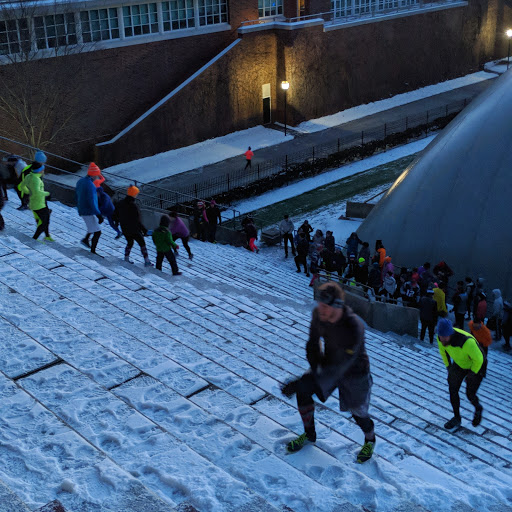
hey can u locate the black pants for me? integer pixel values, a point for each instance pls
(430, 326)
(248, 164)
(170, 258)
(184, 242)
(3, 188)
(300, 259)
(130, 238)
(459, 320)
(212, 231)
(456, 376)
(286, 237)
(2, 223)
(42, 217)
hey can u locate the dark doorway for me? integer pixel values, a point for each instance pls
(266, 110)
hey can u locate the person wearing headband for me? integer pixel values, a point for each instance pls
(337, 356)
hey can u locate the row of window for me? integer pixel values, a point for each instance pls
(56, 30)
(352, 7)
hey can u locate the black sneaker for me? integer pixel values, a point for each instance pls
(366, 452)
(85, 243)
(477, 418)
(453, 424)
(298, 271)
(298, 443)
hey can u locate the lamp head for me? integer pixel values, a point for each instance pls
(509, 33)
(286, 85)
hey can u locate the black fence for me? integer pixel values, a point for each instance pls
(228, 182)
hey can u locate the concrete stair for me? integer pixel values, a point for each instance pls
(191, 366)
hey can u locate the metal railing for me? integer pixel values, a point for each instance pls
(272, 167)
(352, 12)
(150, 196)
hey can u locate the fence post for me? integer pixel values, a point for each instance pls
(338, 144)
(258, 171)
(385, 130)
(228, 181)
(286, 163)
(406, 123)
(362, 137)
(195, 189)
(313, 154)
(161, 202)
(426, 126)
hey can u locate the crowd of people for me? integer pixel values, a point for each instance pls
(425, 287)
(95, 205)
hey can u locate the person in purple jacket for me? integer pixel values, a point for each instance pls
(107, 208)
(179, 230)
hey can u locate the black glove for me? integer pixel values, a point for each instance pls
(100, 218)
(289, 389)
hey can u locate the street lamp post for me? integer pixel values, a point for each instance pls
(285, 86)
(509, 35)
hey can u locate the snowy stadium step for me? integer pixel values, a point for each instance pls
(41, 457)
(220, 313)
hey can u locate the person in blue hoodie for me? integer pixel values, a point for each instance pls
(88, 209)
(107, 208)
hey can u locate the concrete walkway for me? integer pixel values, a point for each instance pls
(304, 141)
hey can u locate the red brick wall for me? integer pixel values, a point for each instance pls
(327, 71)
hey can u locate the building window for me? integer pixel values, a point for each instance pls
(99, 25)
(55, 30)
(178, 14)
(270, 7)
(140, 19)
(212, 12)
(14, 36)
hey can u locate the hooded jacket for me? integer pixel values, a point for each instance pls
(86, 197)
(178, 228)
(440, 298)
(163, 240)
(33, 185)
(497, 310)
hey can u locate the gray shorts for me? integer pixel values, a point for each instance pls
(91, 223)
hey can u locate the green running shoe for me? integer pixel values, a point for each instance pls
(49, 239)
(366, 452)
(297, 444)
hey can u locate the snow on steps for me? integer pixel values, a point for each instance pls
(192, 331)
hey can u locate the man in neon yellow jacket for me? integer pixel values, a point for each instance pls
(464, 359)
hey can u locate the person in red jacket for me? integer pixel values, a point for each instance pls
(248, 158)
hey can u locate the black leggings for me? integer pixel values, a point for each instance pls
(170, 258)
(184, 241)
(42, 217)
(135, 238)
(456, 376)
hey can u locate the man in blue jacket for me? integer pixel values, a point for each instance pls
(87, 204)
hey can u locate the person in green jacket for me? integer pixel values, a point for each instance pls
(33, 185)
(464, 359)
(164, 244)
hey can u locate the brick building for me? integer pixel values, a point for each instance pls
(132, 79)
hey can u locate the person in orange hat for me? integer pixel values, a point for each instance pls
(107, 208)
(87, 204)
(129, 216)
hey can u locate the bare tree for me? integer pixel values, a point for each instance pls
(39, 69)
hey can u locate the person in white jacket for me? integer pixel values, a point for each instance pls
(497, 313)
(286, 228)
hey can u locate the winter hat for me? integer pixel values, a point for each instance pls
(376, 264)
(93, 170)
(165, 220)
(387, 259)
(132, 191)
(361, 260)
(40, 157)
(444, 327)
